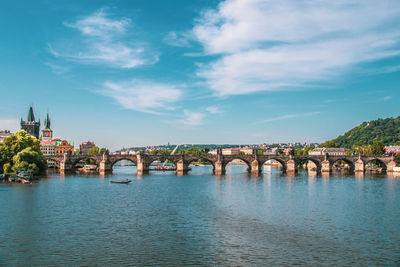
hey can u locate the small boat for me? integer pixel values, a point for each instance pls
(24, 175)
(121, 182)
(89, 167)
(2, 176)
(164, 168)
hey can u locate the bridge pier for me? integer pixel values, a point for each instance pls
(142, 168)
(390, 166)
(105, 166)
(255, 167)
(181, 167)
(359, 166)
(219, 168)
(291, 166)
(141, 165)
(311, 166)
(326, 166)
(65, 164)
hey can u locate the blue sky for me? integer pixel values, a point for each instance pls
(125, 73)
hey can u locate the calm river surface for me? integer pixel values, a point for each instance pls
(201, 219)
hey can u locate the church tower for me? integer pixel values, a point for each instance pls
(31, 126)
(47, 132)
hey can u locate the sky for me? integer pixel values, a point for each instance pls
(146, 72)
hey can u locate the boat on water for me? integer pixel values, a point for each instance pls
(2, 176)
(89, 168)
(24, 175)
(165, 168)
(121, 182)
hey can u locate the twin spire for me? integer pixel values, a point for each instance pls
(31, 118)
(47, 122)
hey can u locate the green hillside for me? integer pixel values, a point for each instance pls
(385, 130)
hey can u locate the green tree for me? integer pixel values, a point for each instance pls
(29, 160)
(306, 150)
(94, 151)
(260, 152)
(16, 143)
(378, 148)
(330, 143)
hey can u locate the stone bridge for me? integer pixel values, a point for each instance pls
(289, 163)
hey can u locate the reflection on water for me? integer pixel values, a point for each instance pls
(201, 219)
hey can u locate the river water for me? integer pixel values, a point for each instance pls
(201, 219)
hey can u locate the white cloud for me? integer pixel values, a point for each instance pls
(214, 110)
(144, 96)
(12, 125)
(268, 45)
(289, 116)
(192, 118)
(104, 42)
(177, 39)
(98, 25)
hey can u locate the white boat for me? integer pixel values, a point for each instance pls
(89, 167)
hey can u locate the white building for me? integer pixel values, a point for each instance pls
(331, 151)
(4, 134)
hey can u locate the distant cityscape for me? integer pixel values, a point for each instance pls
(51, 145)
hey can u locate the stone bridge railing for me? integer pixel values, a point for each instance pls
(290, 163)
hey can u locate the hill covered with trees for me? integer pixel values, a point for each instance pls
(386, 131)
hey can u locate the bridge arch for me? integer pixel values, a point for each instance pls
(93, 161)
(196, 159)
(114, 161)
(79, 159)
(375, 161)
(350, 163)
(161, 159)
(190, 161)
(282, 162)
(230, 161)
(317, 163)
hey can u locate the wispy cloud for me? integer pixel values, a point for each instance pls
(177, 39)
(380, 99)
(214, 110)
(289, 116)
(196, 118)
(192, 118)
(12, 125)
(57, 69)
(104, 41)
(143, 96)
(386, 98)
(265, 45)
